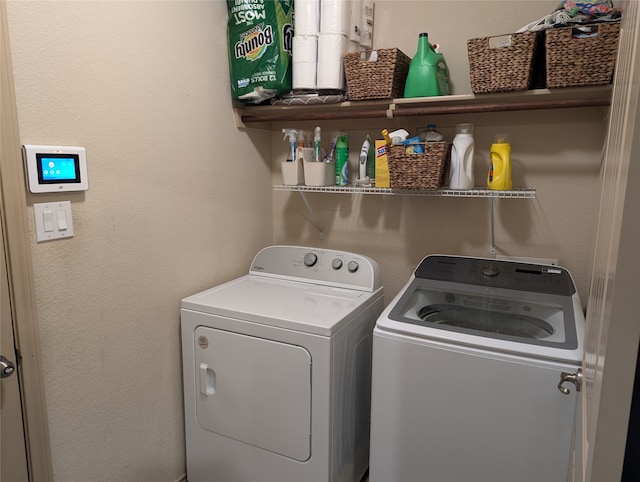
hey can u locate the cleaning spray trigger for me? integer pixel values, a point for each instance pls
(385, 134)
(292, 133)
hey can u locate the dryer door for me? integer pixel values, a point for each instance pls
(254, 390)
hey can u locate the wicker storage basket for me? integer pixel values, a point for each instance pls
(383, 78)
(575, 62)
(409, 171)
(495, 68)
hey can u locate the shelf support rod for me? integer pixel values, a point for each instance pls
(492, 248)
(313, 215)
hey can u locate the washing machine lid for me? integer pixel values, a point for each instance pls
(501, 305)
(305, 307)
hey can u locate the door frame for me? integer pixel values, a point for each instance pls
(20, 269)
(611, 338)
(12, 439)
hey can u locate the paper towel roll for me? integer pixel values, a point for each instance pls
(331, 47)
(330, 74)
(307, 17)
(334, 17)
(305, 48)
(304, 75)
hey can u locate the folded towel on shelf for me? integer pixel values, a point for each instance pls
(589, 7)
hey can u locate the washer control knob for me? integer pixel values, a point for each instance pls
(336, 263)
(353, 266)
(310, 259)
(490, 270)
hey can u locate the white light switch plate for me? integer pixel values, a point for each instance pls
(53, 220)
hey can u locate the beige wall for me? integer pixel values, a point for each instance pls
(557, 152)
(179, 200)
(399, 231)
(450, 23)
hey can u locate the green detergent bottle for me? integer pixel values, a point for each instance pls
(428, 73)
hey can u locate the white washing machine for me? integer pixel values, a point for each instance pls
(277, 369)
(467, 367)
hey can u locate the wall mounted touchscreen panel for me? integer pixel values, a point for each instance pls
(55, 168)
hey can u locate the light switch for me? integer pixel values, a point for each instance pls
(61, 216)
(48, 221)
(53, 220)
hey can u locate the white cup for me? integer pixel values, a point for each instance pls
(319, 173)
(305, 154)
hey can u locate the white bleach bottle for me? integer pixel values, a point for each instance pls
(461, 170)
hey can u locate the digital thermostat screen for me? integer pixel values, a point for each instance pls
(58, 168)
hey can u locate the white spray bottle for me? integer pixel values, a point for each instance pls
(461, 171)
(362, 160)
(293, 134)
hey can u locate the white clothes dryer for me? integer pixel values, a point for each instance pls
(468, 383)
(277, 369)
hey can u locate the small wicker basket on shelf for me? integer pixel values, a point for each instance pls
(379, 75)
(501, 63)
(408, 171)
(573, 60)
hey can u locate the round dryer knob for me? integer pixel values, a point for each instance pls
(310, 259)
(353, 266)
(336, 263)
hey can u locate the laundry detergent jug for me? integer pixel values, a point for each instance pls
(499, 177)
(428, 73)
(461, 170)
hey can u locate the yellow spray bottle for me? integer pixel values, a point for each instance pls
(499, 178)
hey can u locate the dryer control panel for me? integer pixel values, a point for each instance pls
(318, 266)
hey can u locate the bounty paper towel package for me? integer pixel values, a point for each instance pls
(260, 35)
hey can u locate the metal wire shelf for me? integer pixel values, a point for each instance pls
(519, 193)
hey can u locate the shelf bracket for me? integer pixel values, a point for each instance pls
(314, 219)
(390, 110)
(492, 248)
(237, 116)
